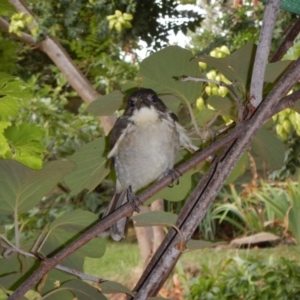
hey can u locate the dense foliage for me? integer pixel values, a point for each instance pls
(249, 279)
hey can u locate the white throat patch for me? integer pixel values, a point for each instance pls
(145, 115)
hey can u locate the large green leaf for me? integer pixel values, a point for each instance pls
(26, 146)
(236, 66)
(239, 169)
(13, 270)
(268, 150)
(106, 105)
(155, 218)
(176, 192)
(66, 228)
(82, 290)
(224, 105)
(91, 169)
(9, 107)
(159, 72)
(21, 188)
(275, 70)
(112, 287)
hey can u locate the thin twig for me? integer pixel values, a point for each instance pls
(230, 87)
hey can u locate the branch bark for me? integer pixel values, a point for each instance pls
(262, 53)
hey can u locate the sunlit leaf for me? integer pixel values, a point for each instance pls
(92, 167)
(4, 146)
(106, 105)
(21, 187)
(25, 143)
(9, 107)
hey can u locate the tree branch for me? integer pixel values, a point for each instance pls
(287, 43)
(204, 194)
(62, 60)
(263, 50)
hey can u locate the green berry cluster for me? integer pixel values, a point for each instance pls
(119, 20)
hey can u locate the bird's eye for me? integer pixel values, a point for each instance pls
(154, 98)
(131, 103)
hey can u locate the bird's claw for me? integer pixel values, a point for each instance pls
(133, 199)
(175, 174)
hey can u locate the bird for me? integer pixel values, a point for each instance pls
(144, 143)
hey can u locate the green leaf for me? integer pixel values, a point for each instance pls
(25, 141)
(224, 105)
(21, 188)
(159, 72)
(112, 287)
(66, 228)
(54, 278)
(239, 169)
(9, 107)
(15, 89)
(14, 269)
(236, 66)
(177, 192)
(275, 70)
(200, 244)
(91, 169)
(268, 150)
(74, 221)
(155, 218)
(82, 290)
(204, 116)
(106, 105)
(6, 8)
(171, 101)
(4, 146)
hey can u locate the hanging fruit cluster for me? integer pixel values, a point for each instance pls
(286, 121)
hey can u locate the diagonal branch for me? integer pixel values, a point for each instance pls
(205, 192)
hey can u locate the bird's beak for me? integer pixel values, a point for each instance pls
(141, 103)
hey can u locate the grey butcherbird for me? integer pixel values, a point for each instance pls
(144, 143)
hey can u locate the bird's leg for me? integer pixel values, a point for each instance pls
(133, 199)
(175, 174)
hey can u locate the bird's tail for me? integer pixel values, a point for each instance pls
(117, 230)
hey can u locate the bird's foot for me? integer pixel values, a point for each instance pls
(133, 199)
(175, 174)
